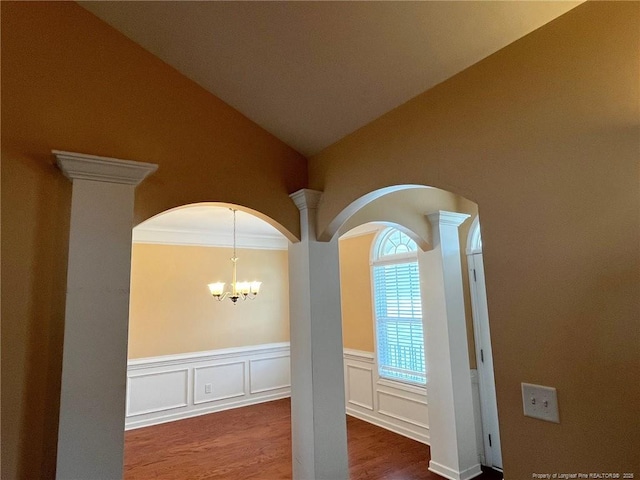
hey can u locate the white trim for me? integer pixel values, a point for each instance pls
(222, 397)
(197, 238)
(230, 390)
(183, 403)
(268, 389)
(451, 219)
(369, 370)
(207, 355)
(399, 385)
(364, 229)
(306, 199)
(389, 425)
(474, 237)
(451, 474)
(157, 420)
(360, 355)
(102, 169)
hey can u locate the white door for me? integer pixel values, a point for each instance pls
(484, 357)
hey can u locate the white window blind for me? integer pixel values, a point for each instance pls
(398, 310)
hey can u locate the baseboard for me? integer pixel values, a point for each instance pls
(451, 474)
(391, 426)
(132, 425)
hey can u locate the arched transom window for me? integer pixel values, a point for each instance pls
(398, 308)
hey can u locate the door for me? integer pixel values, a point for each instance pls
(484, 357)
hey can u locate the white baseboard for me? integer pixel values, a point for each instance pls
(172, 417)
(454, 474)
(389, 425)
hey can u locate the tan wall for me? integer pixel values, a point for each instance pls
(172, 312)
(355, 289)
(71, 82)
(544, 136)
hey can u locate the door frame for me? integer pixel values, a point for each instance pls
(491, 443)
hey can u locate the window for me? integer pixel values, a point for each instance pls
(398, 308)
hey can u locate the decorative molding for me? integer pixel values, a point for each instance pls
(369, 370)
(213, 398)
(359, 355)
(267, 389)
(306, 199)
(398, 416)
(185, 392)
(231, 386)
(418, 390)
(80, 166)
(198, 238)
(441, 217)
(176, 359)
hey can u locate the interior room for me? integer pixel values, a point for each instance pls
(311, 116)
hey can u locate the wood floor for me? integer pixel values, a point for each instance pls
(255, 443)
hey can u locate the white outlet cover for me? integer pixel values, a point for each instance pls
(540, 402)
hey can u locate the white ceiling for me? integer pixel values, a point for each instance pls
(209, 225)
(312, 72)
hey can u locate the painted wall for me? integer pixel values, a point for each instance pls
(71, 82)
(544, 137)
(355, 289)
(171, 310)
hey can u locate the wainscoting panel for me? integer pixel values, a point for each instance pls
(173, 387)
(218, 382)
(360, 382)
(396, 406)
(157, 391)
(268, 374)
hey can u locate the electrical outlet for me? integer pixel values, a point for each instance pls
(540, 402)
(207, 388)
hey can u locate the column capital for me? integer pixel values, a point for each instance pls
(102, 169)
(306, 198)
(452, 219)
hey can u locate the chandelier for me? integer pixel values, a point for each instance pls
(239, 290)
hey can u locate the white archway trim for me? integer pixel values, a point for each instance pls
(474, 238)
(356, 205)
(94, 360)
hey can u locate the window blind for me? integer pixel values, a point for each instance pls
(399, 330)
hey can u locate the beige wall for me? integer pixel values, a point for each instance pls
(171, 310)
(71, 82)
(543, 136)
(355, 290)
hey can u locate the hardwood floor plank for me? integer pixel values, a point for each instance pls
(254, 443)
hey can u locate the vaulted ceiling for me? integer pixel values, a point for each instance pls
(311, 72)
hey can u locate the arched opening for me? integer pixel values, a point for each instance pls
(400, 406)
(190, 354)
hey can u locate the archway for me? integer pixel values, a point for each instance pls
(434, 225)
(90, 429)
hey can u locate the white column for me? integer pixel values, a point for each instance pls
(94, 362)
(454, 453)
(318, 419)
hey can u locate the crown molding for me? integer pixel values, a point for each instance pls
(207, 239)
(306, 198)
